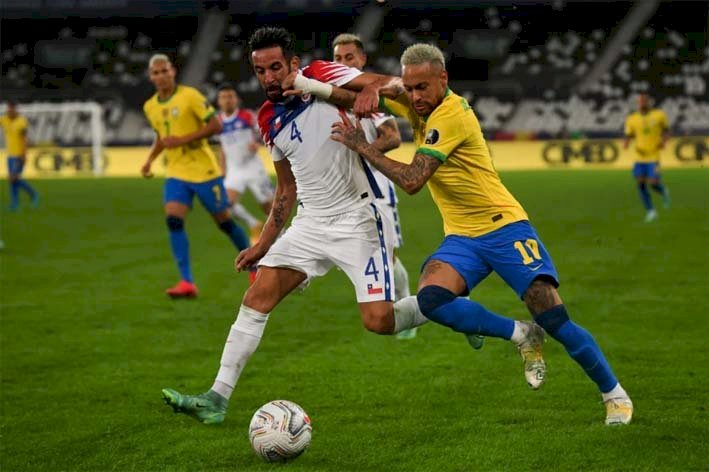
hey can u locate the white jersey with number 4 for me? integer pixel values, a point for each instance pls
(337, 224)
(329, 176)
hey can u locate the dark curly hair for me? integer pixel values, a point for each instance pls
(270, 36)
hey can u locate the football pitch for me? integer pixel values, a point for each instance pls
(88, 339)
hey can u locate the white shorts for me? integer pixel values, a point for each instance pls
(353, 241)
(252, 177)
(390, 220)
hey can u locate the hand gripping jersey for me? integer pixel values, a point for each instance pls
(329, 176)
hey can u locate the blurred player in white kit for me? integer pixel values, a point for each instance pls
(383, 133)
(239, 158)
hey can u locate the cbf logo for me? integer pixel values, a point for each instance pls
(590, 152)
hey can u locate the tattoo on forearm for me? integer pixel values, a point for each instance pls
(406, 176)
(279, 212)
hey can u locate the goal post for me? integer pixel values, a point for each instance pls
(66, 124)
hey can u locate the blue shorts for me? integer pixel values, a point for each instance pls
(514, 251)
(646, 170)
(211, 193)
(15, 165)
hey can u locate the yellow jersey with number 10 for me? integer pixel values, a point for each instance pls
(14, 131)
(647, 129)
(184, 112)
(466, 187)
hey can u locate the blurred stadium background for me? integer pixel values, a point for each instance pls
(531, 70)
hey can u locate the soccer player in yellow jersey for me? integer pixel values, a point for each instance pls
(183, 120)
(14, 127)
(486, 228)
(650, 129)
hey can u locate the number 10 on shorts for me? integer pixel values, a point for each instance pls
(525, 248)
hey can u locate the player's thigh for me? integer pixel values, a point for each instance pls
(356, 245)
(300, 248)
(177, 197)
(15, 165)
(640, 172)
(272, 285)
(455, 265)
(518, 256)
(212, 195)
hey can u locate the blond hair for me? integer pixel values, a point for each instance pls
(155, 58)
(421, 54)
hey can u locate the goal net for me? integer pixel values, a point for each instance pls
(71, 125)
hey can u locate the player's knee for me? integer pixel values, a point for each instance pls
(259, 298)
(175, 223)
(227, 226)
(432, 297)
(552, 319)
(379, 322)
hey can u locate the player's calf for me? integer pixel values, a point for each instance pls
(378, 317)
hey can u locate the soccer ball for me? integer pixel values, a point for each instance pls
(280, 430)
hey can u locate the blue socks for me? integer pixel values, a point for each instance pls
(645, 195)
(460, 314)
(15, 188)
(180, 246)
(580, 345)
(235, 233)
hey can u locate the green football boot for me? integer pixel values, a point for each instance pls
(475, 340)
(208, 408)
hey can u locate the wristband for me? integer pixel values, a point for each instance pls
(312, 86)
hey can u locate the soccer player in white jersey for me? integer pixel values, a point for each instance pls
(336, 223)
(383, 132)
(239, 157)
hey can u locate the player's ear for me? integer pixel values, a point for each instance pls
(294, 62)
(444, 78)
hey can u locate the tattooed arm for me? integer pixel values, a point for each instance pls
(410, 177)
(281, 209)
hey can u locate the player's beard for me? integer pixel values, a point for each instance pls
(275, 93)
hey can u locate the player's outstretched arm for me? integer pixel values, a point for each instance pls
(410, 177)
(155, 151)
(281, 209)
(213, 126)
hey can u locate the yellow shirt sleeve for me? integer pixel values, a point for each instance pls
(22, 126)
(444, 133)
(200, 106)
(399, 107)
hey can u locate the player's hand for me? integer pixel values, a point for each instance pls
(367, 101)
(171, 142)
(145, 170)
(248, 258)
(253, 146)
(288, 82)
(348, 134)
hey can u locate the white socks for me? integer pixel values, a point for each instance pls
(519, 333)
(401, 280)
(407, 314)
(243, 339)
(239, 211)
(617, 392)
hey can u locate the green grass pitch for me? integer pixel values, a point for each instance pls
(88, 340)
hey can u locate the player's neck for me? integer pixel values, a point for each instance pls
(232, 113)
(166, 93)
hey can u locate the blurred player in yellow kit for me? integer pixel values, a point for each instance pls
(14, 127)
(183, 119)
(649, 127)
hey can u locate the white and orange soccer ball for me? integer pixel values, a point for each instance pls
(280, 430)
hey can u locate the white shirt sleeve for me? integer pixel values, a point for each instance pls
(277, 154)
(379, 118)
